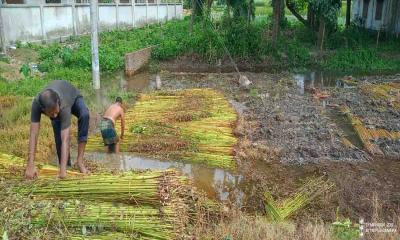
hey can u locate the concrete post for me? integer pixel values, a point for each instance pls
(74, 25)
(175, 3)
(2, 36)
(133, 12)
(158, 17)
(42, 2)
(95, 43)
(147, 12)
(117, 12)
(167, 10)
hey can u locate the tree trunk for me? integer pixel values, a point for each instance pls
(311, 18)
(290, 6)
(348, 13)
(321, 34)
(277, 8)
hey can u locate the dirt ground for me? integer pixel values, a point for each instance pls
(287, 136)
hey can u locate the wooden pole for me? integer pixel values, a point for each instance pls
(95, 44)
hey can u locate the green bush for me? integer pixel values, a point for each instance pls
(345, 230)
(360, 60)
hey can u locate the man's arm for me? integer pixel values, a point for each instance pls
(65, 138)
(31, 172)
(122, 123)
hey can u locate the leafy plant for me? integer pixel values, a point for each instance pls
(345, 230)
(25, 70)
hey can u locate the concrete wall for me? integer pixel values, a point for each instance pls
(38, 22)
(370, 22)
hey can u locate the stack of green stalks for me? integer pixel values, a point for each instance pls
(141, 222)
(12, 167)
(147, 205)
(105, 236)
(194, 125)
(283, 210)
(149, 188)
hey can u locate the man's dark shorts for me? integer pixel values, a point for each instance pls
(110, 137)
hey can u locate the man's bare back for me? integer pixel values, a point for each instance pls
(114, 112)
(107, 125)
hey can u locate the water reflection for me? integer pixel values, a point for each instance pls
(217, 183)
(317, 79)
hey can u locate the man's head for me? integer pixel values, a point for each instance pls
(118, 100)
(50, 103)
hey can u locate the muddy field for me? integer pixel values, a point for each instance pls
(287, 134)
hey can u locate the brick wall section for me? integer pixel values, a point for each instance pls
(134, 61)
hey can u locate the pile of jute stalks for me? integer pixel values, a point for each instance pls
(194, 125)
(138, 205)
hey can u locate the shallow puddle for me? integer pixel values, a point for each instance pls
(218, 184)
(345, 125)
(306, 81)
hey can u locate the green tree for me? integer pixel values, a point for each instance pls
(242, 8)
(327, 12)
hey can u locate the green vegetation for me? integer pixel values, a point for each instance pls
(345, 230)
(243, 40)
(307, 193)
(14, 129)
(361, 60)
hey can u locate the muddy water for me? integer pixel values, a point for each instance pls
(135, 83)
(218, 184)
(318, 79)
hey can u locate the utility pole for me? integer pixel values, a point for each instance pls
(95, 44)
(2, 36)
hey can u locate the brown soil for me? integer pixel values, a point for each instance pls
(287, 137)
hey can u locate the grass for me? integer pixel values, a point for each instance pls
(239, 225)
(366, 60)
(194, 125)
(14, 129)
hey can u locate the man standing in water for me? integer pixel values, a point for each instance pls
(107, 126)
(59, 101)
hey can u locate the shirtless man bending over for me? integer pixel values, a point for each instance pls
(107, 126)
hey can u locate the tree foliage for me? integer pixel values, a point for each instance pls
(326, 9)
(242, 8)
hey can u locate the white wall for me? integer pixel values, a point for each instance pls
(30, 23)
(370, 21)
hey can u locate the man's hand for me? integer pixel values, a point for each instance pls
(31, 172)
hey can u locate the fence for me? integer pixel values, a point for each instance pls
(45, 22)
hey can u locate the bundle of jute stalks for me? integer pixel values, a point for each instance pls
(139, 222)
(146, 205)
(136, 188)
(13, 167)
(194, 125)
